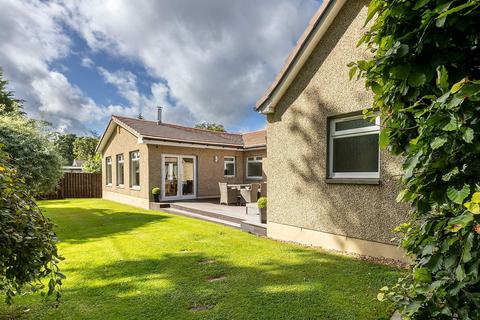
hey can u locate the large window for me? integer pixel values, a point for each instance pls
(120, 170)
(135, 169)
(353, 148)
(254, 167)
(229, 166)
(108, 171)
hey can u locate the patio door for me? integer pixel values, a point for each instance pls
(179, 177)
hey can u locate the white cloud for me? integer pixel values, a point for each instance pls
(211, 59)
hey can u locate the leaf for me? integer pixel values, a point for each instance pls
(458, 196)
(457, 86)
(412, 164)
(472, 207)
(440, 21)
(422, 275)
(384, 138)
(438, 142)
(476, 197)
(420, 4)
(352, 72)
(400, 72)
(468, 135)
(442, 78)
(372, 10)
(459, 222)
(448, 176)
(417, 79)
(402, 195)
(381, 296)
(460, 273)
(467, 247)
(453, 125)
(376, 88)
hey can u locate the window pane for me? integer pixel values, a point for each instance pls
(353, 124)
(136, 173)
(254, 169)
(120, 173)
(356, 154)
(229, 169)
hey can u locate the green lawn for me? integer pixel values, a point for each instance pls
(127, 263)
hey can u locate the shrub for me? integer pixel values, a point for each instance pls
(425, 75)
(31, 152)
(262, 202)
(156, 190)
(28, 252)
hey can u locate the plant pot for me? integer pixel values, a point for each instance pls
(263, 215)
(156, 197)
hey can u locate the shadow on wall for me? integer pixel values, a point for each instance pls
(360, 211)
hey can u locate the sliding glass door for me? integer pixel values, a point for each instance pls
(179, 177)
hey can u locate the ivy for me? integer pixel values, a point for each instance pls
(424, 72)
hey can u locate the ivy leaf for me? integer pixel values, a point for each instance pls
(458, 196)
(468, 135)
(417, 79)
(438, 142)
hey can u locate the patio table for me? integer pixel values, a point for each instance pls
(239, 186)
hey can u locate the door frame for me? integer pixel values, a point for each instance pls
(180, 177)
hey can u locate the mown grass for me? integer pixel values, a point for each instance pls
(127, 263)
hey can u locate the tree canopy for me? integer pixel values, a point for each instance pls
(64, 146)
(210, 126)
(425, 75)
(84, 147)
(8, 103)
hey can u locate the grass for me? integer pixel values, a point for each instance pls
(127, 263)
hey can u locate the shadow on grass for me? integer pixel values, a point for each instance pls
(78, 224)
(320, 287)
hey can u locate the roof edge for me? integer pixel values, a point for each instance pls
(309, 39)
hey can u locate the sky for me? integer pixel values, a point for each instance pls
(75, 63)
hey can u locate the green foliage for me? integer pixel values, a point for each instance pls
(8, 103)
(64, 147)
(31, 152)
(156, 190)
(425, 74)
(262, 202)
(93, 164)
(28, 252)
(84, 147)
(210, 126)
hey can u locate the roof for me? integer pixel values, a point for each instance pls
(315, 30)
(146, 131)
(254, 139)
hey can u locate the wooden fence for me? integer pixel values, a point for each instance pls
(77, 185)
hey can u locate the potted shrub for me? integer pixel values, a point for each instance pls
(262, 205)
(156, 194)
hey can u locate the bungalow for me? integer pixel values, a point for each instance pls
(186, 163)
(329, 184)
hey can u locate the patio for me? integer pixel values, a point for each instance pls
(211, 210)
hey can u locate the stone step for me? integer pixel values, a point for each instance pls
(191, 214)
(179, 206)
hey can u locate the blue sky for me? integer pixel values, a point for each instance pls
(77, 62)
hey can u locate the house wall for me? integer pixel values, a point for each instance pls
(209, 172)
(122, 141)
(302, 206)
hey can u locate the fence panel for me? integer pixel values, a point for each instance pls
(77, 185)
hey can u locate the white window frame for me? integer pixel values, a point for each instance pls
(333, 134)
(120, 158)
(108, 173)
(254, 159)
(227, 160)
(134, 156)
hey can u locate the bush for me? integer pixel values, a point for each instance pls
(93, 164)
(31, 152)
(425, 74)
(262, 202)
(28, 252)
(156, 190)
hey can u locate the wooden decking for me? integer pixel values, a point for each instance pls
(211, 210)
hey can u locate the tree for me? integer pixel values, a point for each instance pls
(93, 164)
(31, 152)
(64, 146)
(28, 254)
(84, 147)
(8, 103)
(425, 75)
(210, 126)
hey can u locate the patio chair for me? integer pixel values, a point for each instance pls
(251, 194)
(227, 195)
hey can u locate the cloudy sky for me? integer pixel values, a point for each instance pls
(77, 62)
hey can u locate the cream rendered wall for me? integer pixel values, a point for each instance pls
(297, 146)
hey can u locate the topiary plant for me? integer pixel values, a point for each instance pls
(262, 202)
(156, 190)
(425, 75)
